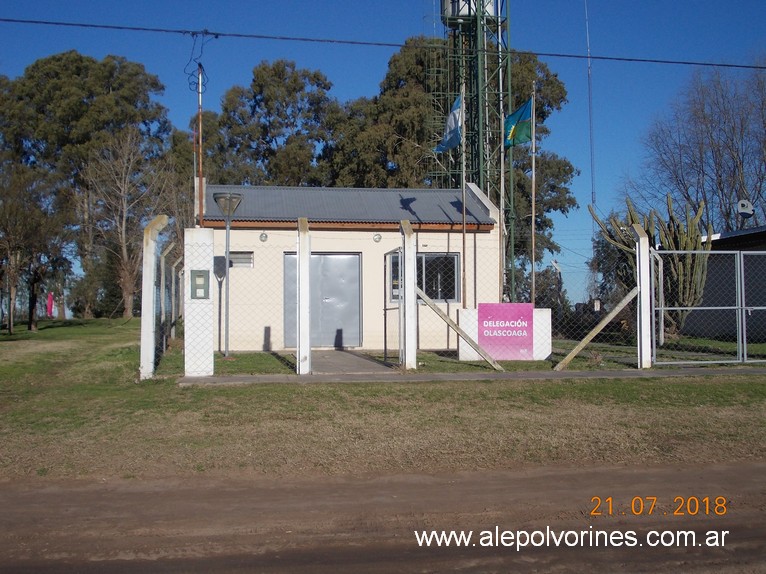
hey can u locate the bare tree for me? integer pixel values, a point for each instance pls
(709, 151)
(129, 182)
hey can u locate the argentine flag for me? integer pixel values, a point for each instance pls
(451, 137)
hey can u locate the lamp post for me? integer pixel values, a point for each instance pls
(228, 203)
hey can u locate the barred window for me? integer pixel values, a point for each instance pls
(438, 276)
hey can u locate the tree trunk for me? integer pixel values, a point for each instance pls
(32, 318)
(86, 244)
(11, 306)
(127, 297)
(61, 306)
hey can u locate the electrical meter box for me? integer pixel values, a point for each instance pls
(200, 284)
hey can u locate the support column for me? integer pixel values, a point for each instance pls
(644, 312)
(148, 303)
(408, 299)
(199, 319)
(303, 351)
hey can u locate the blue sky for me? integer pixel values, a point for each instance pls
(627, 97)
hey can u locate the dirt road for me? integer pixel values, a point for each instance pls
(251, 524)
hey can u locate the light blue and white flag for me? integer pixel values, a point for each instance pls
(451, 137)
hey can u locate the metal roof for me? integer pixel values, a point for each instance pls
(350, 205)
(753, 238)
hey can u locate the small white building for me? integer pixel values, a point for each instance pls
(355, 238)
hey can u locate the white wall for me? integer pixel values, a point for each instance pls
(257, 294)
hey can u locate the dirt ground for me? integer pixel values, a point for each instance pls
(253, 524)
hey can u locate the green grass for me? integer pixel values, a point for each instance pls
(71, 405)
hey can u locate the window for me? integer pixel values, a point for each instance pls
(240, 259)
(438, 276)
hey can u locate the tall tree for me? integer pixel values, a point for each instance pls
(385, 141)
(31, 233)
(129, 184)
(273, 130)
(179, 201)
(708, 151)
(64, 107)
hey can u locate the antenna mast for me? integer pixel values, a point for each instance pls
(590, 120)
(200, 186)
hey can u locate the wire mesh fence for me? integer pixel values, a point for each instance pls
(456, 289)
(168, 297)
(709, 306)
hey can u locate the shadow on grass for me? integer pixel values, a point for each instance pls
(285, 360)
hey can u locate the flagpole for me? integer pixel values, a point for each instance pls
(501, 270)
(534, 182)
(462, 180)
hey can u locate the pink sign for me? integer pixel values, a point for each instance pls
(505, 330)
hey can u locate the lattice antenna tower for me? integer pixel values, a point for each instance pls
(477, 59)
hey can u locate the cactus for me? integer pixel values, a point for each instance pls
(685, 282)
(684, 279)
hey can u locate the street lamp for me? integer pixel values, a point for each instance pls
(228, 203)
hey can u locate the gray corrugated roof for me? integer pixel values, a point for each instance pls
(349, 205)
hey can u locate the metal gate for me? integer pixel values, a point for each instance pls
(708, 307)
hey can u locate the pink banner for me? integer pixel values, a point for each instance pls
(505, 330)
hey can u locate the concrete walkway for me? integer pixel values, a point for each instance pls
(340, 366)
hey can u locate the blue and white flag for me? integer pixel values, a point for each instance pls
(451, 137)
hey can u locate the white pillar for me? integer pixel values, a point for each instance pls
(408, 298)
(199, 319)
(303, 351)
(148, 304)
(644, 312)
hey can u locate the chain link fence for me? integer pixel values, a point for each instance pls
(458, 288)
(708, 307)
(262, 265)
(168, 297)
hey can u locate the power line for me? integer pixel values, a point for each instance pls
(214, 34)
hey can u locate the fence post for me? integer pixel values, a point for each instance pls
(199, 321)
(408, 297)
(148, 303)
(644, 311)
(303, 328)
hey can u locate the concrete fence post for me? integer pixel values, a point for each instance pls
(303, 352)
(644, 311)
(148, 300)
(408, 296)
(199, 318)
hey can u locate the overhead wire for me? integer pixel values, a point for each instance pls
(192, 71)
(215, 34)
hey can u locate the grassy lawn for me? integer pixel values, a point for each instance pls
(70, 406)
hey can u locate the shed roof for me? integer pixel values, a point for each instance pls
(750, 239)
(343, 205)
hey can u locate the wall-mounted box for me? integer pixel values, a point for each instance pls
(200, 284)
